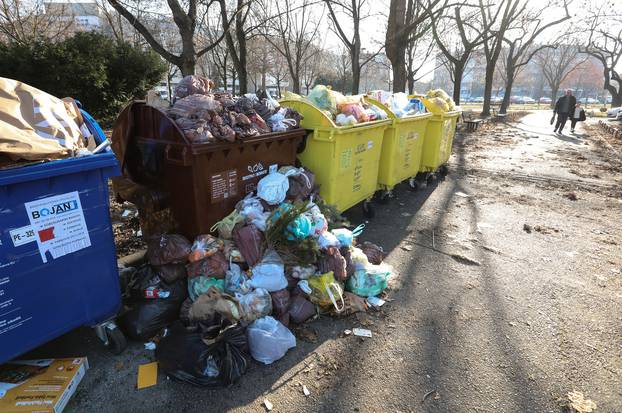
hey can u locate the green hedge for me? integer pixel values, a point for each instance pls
(101, 73)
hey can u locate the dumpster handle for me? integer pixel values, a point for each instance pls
(181, 160)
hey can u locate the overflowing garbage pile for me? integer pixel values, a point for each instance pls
(437, 101)
(399, 103)
(344, 110)
(205, 116)
(37, 126)
(277, 260)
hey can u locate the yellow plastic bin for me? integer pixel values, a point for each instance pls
(439, 136)
(401, 148)
(344, 159)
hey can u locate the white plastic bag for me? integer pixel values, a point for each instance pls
(273, 188)
(236, 281)
(269, 340)
(254, 305)
(269, 273)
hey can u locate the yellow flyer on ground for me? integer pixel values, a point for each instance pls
(42, 386)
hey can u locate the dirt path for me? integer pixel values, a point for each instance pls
(508, 296)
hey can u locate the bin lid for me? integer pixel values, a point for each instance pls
(44, 170)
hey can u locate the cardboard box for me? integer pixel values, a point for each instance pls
(39, 386)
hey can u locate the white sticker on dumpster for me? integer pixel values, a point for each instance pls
(59, 225)
(23, 235)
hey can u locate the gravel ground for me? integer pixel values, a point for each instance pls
(507, 297)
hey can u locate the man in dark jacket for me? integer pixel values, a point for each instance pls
(563, 108)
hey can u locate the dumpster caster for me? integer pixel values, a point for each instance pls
(368, 210)
(431, 178)
(443, 170)
(413, 185)
(384, 197)
(111, 336)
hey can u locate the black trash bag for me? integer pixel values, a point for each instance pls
(184, 356)
(149, 316)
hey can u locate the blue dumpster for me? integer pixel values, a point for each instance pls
(58, 268)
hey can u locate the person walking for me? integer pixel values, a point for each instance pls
(578, 115)
(563, 108)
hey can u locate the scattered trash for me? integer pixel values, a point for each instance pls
(347, 332)
(407, 247)
(428, 394)
(571, 196)
(305, 391)
(465, 260)
(375, 301)
(147, 375)
(577, 403)
(48, 382)
(150, 345)
(462, 194)
(269, 406)
(361, 332)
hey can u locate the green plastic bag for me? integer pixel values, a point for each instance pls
(324, 98)
(369, 281)
(199, 285)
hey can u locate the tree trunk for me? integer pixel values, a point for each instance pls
(490, 71)
(458, 72)
(296, 83)
(399, 72)
(356, 69)
(395, 45)
(554, 90)
(510, 72)
(187, 65)
(506, 97)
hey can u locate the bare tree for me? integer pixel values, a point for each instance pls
(498, 16)
(418, 53)
(356, 12)
(520, 41)
(408, 19)
(24, 22)
(292, 31)
(605, 44)
(278, 70)
(457, 34)
(557, 63)
(191, 23)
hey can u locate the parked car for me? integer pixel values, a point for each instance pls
(590, 101)
(613, 112)
(517, 99)
(478, 99)
(545, 100)
(497, 99)
(528, 100)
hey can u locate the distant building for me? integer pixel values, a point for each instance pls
(86, 16)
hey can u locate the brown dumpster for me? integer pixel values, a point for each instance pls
(199, 182)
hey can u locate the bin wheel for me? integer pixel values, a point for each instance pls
(413, 185)
(116, 340)
(384, 197)
(443, 170)
(431, 178)
(368, 210)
